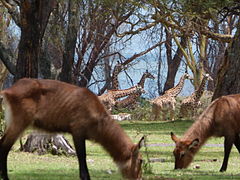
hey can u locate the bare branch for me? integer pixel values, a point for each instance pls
(142, 53)
(148, 26)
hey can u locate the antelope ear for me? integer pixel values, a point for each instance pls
(194, 143)
(174, 137)
(141, 142)
(138, 146)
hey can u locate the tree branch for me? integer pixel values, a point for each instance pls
(142, 53)
(215, 36)
(148, 26)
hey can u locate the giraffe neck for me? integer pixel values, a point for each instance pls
(200, 90)
(177, 89)
(122, 93)
(116, 71)
(142, 80)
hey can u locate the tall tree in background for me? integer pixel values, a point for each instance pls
(173, 61)
(88, 35)
(32, 20)
(228, 79)
(70, 41)
(34, 15)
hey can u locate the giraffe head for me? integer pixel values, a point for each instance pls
(144, 77)
(149, 75)
(186, 76)
(119, 66)
(207, 77)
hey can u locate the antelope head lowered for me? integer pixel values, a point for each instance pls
(220, 119)
(184, 151)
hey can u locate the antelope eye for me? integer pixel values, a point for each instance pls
(182, 153)
(175, 153)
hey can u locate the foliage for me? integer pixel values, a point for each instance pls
(204, 6)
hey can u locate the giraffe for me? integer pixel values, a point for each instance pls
(162, 105)
(109, 99)
(117, 69)
(167, 101)
(132, 99)
(189, 104)
(178, 88)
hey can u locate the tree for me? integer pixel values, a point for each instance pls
(190, 20)
(228, 78)
(173, 62)
(32, 20)
(34, 16)
(70, 41)
(228, 81)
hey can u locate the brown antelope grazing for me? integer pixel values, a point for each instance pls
(56, 106)
(220, 119)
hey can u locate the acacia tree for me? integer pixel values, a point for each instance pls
(96, 31)
(191, 20)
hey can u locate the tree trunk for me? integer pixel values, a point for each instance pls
(228, 80)
(173, 63)
(34, 18)
(45, 63)
(44, 143)
(34, 15)
(70, 42)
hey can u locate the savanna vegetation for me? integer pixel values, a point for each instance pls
(157, 155)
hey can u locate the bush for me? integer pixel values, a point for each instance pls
(140, 111)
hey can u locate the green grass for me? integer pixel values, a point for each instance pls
(47, 167)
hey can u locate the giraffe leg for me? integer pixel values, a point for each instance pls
(163, 113)
(172, 112)
(172, 115)
(155, 112)
(181, 112)
(185, 113)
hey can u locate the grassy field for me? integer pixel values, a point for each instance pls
(159, 150)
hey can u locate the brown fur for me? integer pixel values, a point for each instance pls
(221, 118)
(60, 107)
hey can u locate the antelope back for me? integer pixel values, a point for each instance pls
(42, 103)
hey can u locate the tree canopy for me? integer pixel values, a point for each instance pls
(81, 41)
